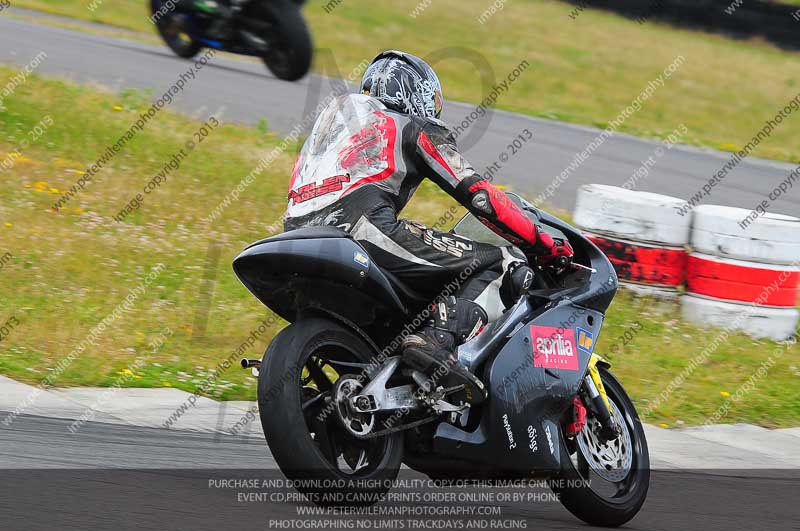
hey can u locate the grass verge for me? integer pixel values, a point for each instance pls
(64, 272)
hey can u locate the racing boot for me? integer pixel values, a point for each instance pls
(431, 350)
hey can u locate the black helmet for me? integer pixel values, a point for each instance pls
(404, 83)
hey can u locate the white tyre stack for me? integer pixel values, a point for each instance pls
(642, 234)
(744, 276)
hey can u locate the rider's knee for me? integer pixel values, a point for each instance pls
(516, 281)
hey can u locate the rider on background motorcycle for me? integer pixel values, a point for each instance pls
(219, 13)
(365, 157)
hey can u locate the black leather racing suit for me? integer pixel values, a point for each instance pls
(359, 168)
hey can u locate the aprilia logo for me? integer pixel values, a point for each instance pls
(554, 348)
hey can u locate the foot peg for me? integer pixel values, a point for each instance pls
(254, 365)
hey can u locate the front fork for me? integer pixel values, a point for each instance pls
(598, 397)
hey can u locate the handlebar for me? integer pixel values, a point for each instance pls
(562, 262)
(560, 265)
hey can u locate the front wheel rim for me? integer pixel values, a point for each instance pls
(611, 460)
(280, 59)
(633, 476)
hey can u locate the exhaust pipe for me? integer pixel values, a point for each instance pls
(250, 364)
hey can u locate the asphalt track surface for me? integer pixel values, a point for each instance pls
(118, 477)
(246, 92)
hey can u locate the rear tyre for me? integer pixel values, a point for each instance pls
(170, 28)
(298, 376)
(606, 485)
(290, 48)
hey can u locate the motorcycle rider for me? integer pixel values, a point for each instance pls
(219, 13)
(365, 157)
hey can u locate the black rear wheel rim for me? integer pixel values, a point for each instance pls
(347, 455)
(171, 27)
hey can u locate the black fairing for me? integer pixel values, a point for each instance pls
(520, 423)
(525, 400)
(318, 269)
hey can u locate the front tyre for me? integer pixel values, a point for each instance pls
(606, 484)
(299, 375)
(290, 48)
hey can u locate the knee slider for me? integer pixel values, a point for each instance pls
(471, 319)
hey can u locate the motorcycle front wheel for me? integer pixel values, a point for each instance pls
(606, 484)
(290, 49)
(309, 441)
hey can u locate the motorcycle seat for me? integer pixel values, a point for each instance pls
(306, 233)
(404, 290)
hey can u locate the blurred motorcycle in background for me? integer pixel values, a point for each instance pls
(273, 30)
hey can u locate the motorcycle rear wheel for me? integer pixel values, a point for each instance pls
(307, 440)
(604, 495)
(172, 33)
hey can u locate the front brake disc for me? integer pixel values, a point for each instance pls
(611, 460)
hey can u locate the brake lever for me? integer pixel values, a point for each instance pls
(583, 267)
(563, 262)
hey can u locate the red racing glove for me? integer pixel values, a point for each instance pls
(548, 248)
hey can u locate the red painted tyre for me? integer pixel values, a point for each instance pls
(644, 263)
(740, 281)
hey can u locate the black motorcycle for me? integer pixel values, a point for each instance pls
(273, 30)
(337, 403)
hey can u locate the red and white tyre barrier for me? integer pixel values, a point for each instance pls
(640, 232)
(743, 273)
(723, 231)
